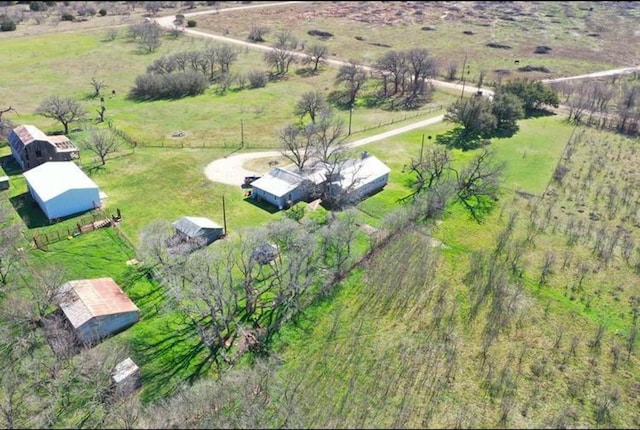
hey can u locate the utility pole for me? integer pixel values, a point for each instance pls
(224, 217)
(350, 115)
(464, 73)
(241, 133)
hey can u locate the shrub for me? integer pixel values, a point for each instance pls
(67, 17)
(542, 49)
(7, 25)
(102, 12)
(86, 11)
(256, 34)
(191, 23)
(169, 85)
(37, 6)
(257, 79)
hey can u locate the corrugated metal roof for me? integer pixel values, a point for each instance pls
(53, 178)
(278, 182)
(83, 299)
(124, 369)
(28, 133)
(194, 226)
(359, 172)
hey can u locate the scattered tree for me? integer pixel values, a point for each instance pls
(478, 184)
(63, 109)
(97, 85)
(534, 94)
(6, 125)
(102, 142)
(353, 76)
(150, 37)
(257, 33)
(316, 55)
(311, 103)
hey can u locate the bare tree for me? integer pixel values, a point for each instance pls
(209, 299)
(329, 138)
(316, 55)
(43, 292)
(311, 103)
(97, 85)
(226, 56)
(257, 33)
(392, 67)
(353, 76)
(280, 58)
(6, 125)
(478, 184)
(421, 67)
(9, 240)
(429, 168)
(63, 109)
(150, 37)
(336, 242)
(452, 71)
(102, 142)
(297, 144)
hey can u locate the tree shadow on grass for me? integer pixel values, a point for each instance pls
(171, 355)
(458, 138)
(307, 72)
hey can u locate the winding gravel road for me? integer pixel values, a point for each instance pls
(230, 170)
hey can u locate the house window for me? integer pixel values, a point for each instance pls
(38, 154)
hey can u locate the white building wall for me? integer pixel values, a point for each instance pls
(71, 202)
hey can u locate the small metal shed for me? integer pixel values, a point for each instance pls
(4, 182)
(125, 378)
(96, 308)
(198, 227)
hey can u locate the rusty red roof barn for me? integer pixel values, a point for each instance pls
(97, 308)
(31, 147)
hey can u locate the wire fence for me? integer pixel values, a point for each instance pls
(164, 143)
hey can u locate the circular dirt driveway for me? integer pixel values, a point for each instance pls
(231, 170)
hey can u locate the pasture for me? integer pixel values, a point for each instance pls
(526, 320)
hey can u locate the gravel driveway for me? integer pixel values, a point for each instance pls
(231, 171)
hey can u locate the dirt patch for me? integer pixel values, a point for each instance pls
(322, 35)
(534, 69)
(498, 45)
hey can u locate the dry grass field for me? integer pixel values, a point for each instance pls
(549, 39)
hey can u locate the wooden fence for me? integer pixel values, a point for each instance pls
(98, 219)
